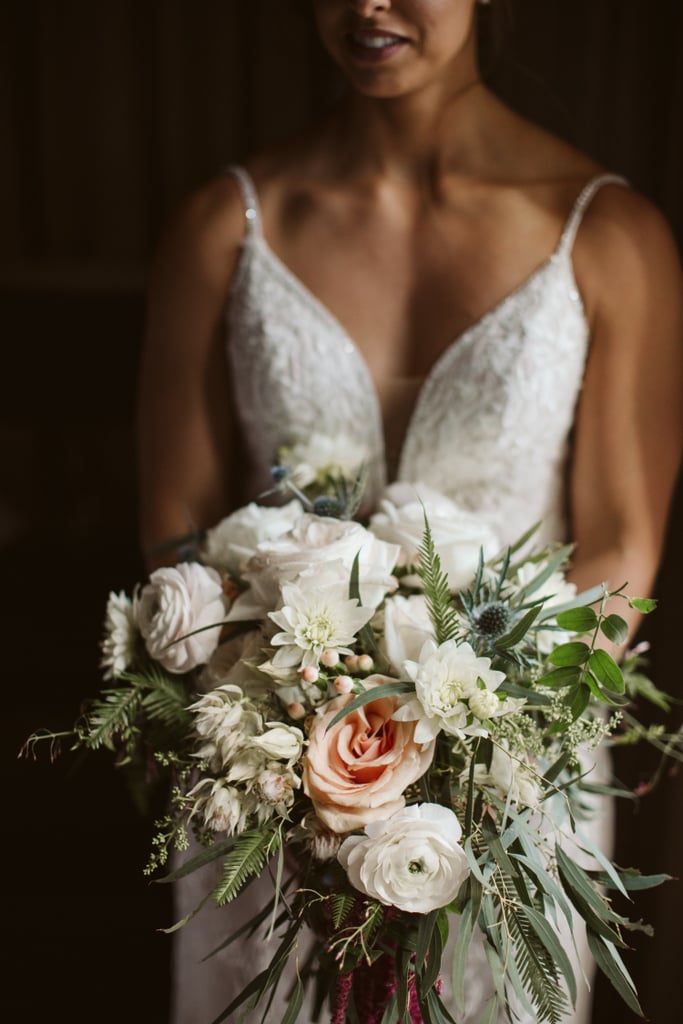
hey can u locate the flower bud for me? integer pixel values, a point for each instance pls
(365, 663)
(310, 674)
(329, 658)
(343, 684)
(351, 662)
(296, 711)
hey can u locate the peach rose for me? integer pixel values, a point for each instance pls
(358, 771)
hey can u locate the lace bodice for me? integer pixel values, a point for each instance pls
(492, 420)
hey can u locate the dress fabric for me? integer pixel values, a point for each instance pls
(490, 429)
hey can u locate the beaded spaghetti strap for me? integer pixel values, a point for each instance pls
(582, 204)
(252, 212)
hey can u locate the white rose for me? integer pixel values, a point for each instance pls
(554, 591)
(231, 543)
(174, 604)
(458, 535)
(313, 544)
(406, 627)
(412, 861)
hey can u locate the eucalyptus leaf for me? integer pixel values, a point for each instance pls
(430, 974)
(632, 880)
(491, 1011)
(391, 1013)
(595, 912)
(612, 966)
(425, 928)
(296, 1001)
(460, 954)
(206, 856)
(497, 969)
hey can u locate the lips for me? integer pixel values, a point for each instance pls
(375, 45)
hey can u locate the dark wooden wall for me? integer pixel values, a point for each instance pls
(109, 113)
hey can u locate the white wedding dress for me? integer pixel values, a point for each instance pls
(490, 429)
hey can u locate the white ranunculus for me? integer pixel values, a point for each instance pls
(446, 678)
(406, 627)
(313, 544)
(458, 535)
(508, 775)
(554, 591)
(413, 860)
(120, 636)
(176, 603)
(231, 543)
(321, 455)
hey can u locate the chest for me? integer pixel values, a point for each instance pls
(405, 283)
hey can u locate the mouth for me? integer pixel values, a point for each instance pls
(374, 46)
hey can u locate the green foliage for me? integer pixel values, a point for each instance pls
(342, 905)
(436, 590)
(246, 859)
(111, 719)
(118, 717)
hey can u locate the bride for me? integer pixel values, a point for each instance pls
(481, 306)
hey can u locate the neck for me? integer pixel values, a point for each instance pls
(417, 135)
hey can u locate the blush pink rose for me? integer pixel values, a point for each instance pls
(357, 771)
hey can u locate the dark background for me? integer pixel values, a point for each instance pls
(109, 113)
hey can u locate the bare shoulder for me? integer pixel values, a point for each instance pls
(626, 255)
(203, 234)
(192, 272)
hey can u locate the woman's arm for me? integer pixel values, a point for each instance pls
(186, 436)
(629, 428)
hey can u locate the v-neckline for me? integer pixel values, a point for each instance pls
(558, 257)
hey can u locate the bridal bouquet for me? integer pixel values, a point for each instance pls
(405, 713)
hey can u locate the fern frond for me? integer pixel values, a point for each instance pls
(537, 970)
(342, 905)
(167, 698)
(112, 717)
(247, 858)
(437, 593)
